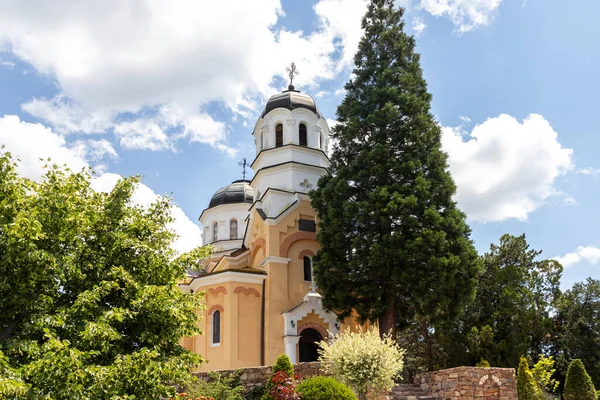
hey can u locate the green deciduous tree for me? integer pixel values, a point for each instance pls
(510, 316)
(578, 385)
(89, 306)
(577, 327)
(389, 229)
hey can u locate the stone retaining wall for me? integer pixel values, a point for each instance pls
(255, 376)
(470, 383)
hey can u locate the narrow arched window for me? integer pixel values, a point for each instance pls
(307, 269)
(233, 229)
(216, 327)
(215, 231)
(303, 140)
(279, 135)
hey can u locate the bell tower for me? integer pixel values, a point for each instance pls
(291, 138)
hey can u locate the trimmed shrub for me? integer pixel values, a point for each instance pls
(282, 383)
(324, 388)
(527, 387)
(483, 363)
(283, 363)
(362, 360)
(578, 384)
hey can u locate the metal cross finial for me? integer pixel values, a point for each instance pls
(292, 72)
(243, 164)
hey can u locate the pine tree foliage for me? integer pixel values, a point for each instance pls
(393, 242)
(527, 387)
(578, 385)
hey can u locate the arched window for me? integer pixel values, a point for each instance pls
(307, 269)
(233, 229)
(215, 231)
(279, 135)
(216, 327)
(303, 140)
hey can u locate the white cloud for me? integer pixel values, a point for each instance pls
(32, 142)
(505, 168)
(153, 53)
(6, 63)
(418, 26)
(67, 117)
(466, 15)
(588, 171)
(465, 120)
(591, 254)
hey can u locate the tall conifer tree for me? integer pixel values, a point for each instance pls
(393, 242)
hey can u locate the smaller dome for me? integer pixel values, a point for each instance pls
(237, 192)
(291, 99)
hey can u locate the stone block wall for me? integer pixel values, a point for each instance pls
(470, 383)
(255, 376)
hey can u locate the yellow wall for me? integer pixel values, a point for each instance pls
(285, 288)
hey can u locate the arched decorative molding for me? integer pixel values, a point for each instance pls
(284, 247)
(217, 290)
(316, 327)
(306, 253)
(257, 245)
(216, 307)
(493, 378)
(246, 291)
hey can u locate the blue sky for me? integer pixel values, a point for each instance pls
(172, 91)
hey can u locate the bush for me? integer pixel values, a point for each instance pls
(542, 372)
(527, 387)
(324, 388)
(362, 360)
(578, 384)
(281, 387)
(283, 363)
(282, 383)
(257, 392)
(483, 363)
(219, 387)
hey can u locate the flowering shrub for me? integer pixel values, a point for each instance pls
(362, 360)
(282, 384)
(283, 387)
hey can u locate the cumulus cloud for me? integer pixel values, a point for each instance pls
(505, 168)
(152, 53)
(418, 26)
(466, 15)
(591, 254)
(34, 144)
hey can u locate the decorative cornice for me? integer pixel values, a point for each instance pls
(246, 291)
(216, 291)
(227, 276)
(274, 259)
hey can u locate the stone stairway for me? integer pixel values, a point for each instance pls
(408, 391)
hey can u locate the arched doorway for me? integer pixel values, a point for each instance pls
(308, 345)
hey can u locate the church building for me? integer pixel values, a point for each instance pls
(260, 293)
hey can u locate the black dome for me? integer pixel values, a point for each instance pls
(290, 99)
(238, 192)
